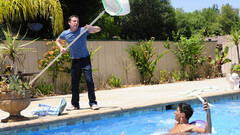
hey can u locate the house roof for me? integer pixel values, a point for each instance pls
(219, 39)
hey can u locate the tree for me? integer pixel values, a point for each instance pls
(211, 21)
(110, 27)
(197, 21)
(229, 18)
(210, 14)
(183, 24)
(235, 38)
(87, 10)
(18, 11)
(149, 18)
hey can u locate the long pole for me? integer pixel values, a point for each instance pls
(34, 79)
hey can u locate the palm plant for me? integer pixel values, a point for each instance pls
(235, 38)
(221, 58)
(15, 11)
(146, 59)
(114, 81)
(12, 49)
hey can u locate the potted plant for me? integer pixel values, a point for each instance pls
(14, 93)
(15, 96)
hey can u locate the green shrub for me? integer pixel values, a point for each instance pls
(114, 81)
(176, 75)
(209, 68)
(236, 67)
(146, 59)
(163, 77)
(189, 53)
(44, 88)
(186, 75)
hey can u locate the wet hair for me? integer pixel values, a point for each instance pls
(187, 109)
(70, 17)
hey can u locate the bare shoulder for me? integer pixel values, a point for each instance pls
(197, 129)
(183, 128)
(176, 123)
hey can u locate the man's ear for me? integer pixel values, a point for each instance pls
(183, 115)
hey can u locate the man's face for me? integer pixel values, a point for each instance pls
(74, 23)
(178, 114)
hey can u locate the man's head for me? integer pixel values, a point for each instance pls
(73, 22)
(70, 17)
(183, 110)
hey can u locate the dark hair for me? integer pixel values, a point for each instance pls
(70, 17)
(187, 109)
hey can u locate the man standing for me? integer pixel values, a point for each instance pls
(80, 60)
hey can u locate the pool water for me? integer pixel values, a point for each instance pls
(225, 120)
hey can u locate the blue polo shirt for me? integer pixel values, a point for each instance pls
(79, 48)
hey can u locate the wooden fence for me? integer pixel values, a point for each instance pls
(111, 59)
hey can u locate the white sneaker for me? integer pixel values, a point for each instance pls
(71, 108)
(94, 107)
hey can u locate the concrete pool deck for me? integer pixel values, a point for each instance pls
(119, 100)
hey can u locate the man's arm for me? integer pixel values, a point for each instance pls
(58, 43)
(93, 29)
(208, 127)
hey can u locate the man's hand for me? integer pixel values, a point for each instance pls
(58, 43)
(85, 27)
(205, 105)
(63, 50)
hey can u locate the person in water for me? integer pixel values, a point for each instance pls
(183, 114)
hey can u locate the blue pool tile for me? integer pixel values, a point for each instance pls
(227, 98)
(153, 109)
(57, 125)
(160, 108)
(211, 100)
(147, 110)
(126, 114)
(43, 127)
(234, 97)
(80, 122)
(217, 99)
(12, 132)
(96, 118)
(87, 120)
(71, 122)
(134, 113)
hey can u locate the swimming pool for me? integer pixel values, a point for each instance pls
(225, 120)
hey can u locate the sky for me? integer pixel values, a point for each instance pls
(192, 5)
